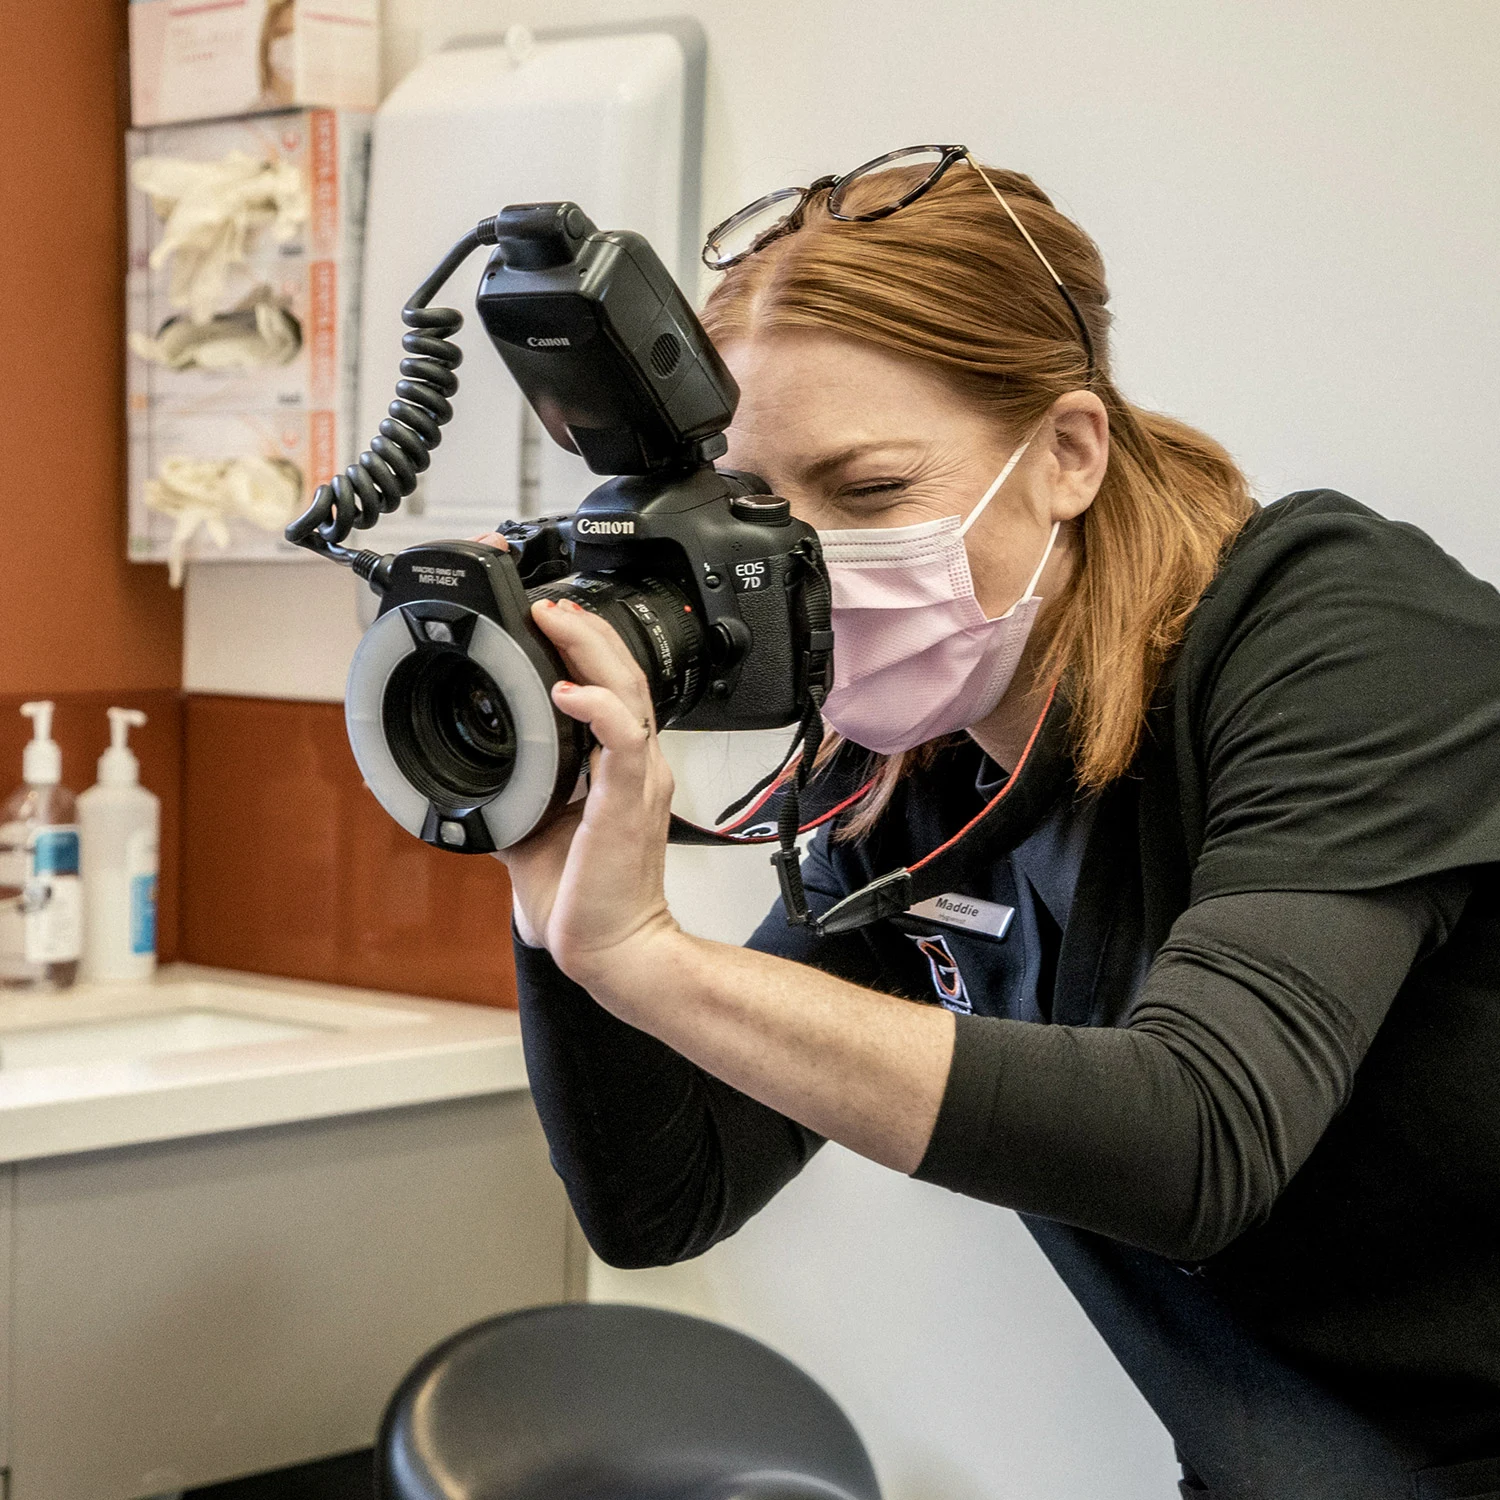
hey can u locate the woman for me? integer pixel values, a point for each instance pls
(1233, 1056)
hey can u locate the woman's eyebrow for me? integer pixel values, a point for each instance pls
(820, 468)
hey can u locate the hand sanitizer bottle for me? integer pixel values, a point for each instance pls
(41, 906)
(121, 826)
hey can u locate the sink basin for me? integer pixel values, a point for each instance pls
(131, 1037)
(198, 1051)
(132, 1024)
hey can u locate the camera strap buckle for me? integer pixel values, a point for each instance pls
(788, 864)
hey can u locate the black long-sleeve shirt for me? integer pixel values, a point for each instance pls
(1258, 1046)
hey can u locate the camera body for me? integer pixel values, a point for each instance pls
(705, 577)
(717, 591)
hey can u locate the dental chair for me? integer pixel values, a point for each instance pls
(592, 1401)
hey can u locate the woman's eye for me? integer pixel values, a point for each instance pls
(878, 487)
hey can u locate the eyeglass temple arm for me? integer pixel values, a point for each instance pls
(1083, 328)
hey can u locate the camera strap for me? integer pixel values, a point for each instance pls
(738, 824)
(771, 812)
(1041, 775)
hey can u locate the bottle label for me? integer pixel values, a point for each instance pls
(15, 858)
(52, 900)
(140, 876)
(143, 914)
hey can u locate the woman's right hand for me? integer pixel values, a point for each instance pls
(591, 887)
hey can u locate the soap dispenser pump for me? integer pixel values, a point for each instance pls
(121, 825)
(41, 928)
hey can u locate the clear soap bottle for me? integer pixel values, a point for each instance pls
(41, 900)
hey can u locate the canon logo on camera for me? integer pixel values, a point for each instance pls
(585, 527)
(558, 343)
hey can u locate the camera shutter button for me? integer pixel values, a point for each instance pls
(760, 510)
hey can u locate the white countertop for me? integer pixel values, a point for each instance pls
(337, 1051)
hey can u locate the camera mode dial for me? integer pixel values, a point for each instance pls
(761, 510)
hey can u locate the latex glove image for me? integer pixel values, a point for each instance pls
(214, 212)
(209, 493)
(256, 333)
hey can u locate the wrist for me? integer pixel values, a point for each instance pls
(629, 977)
(523, 930)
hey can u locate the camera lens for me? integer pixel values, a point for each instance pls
(449, 728)
(474, 711)
(659, 626)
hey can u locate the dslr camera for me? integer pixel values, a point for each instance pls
(716, 590)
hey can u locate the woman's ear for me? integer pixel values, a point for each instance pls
(1079, 452)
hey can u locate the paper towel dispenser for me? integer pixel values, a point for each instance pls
(607, 117)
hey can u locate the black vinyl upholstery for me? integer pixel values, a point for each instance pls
(592, 1401)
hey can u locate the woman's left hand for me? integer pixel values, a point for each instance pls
(610, 896)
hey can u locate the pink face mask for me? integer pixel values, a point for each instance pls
(915, 656)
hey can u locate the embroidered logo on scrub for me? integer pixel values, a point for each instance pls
(946, 979)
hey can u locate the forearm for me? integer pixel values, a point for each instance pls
(859, 1067)
(1105, 1129)
(1176, 1132)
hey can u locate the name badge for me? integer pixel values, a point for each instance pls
(968, 913)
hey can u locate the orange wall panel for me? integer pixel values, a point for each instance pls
(74, 615)
(291, 866)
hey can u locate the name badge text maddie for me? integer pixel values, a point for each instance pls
(968, 913)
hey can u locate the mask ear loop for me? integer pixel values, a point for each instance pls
(990, 494)
(1036, 577)
(1000, 479)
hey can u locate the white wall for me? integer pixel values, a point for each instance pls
(1297, 200)
(270, 630)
